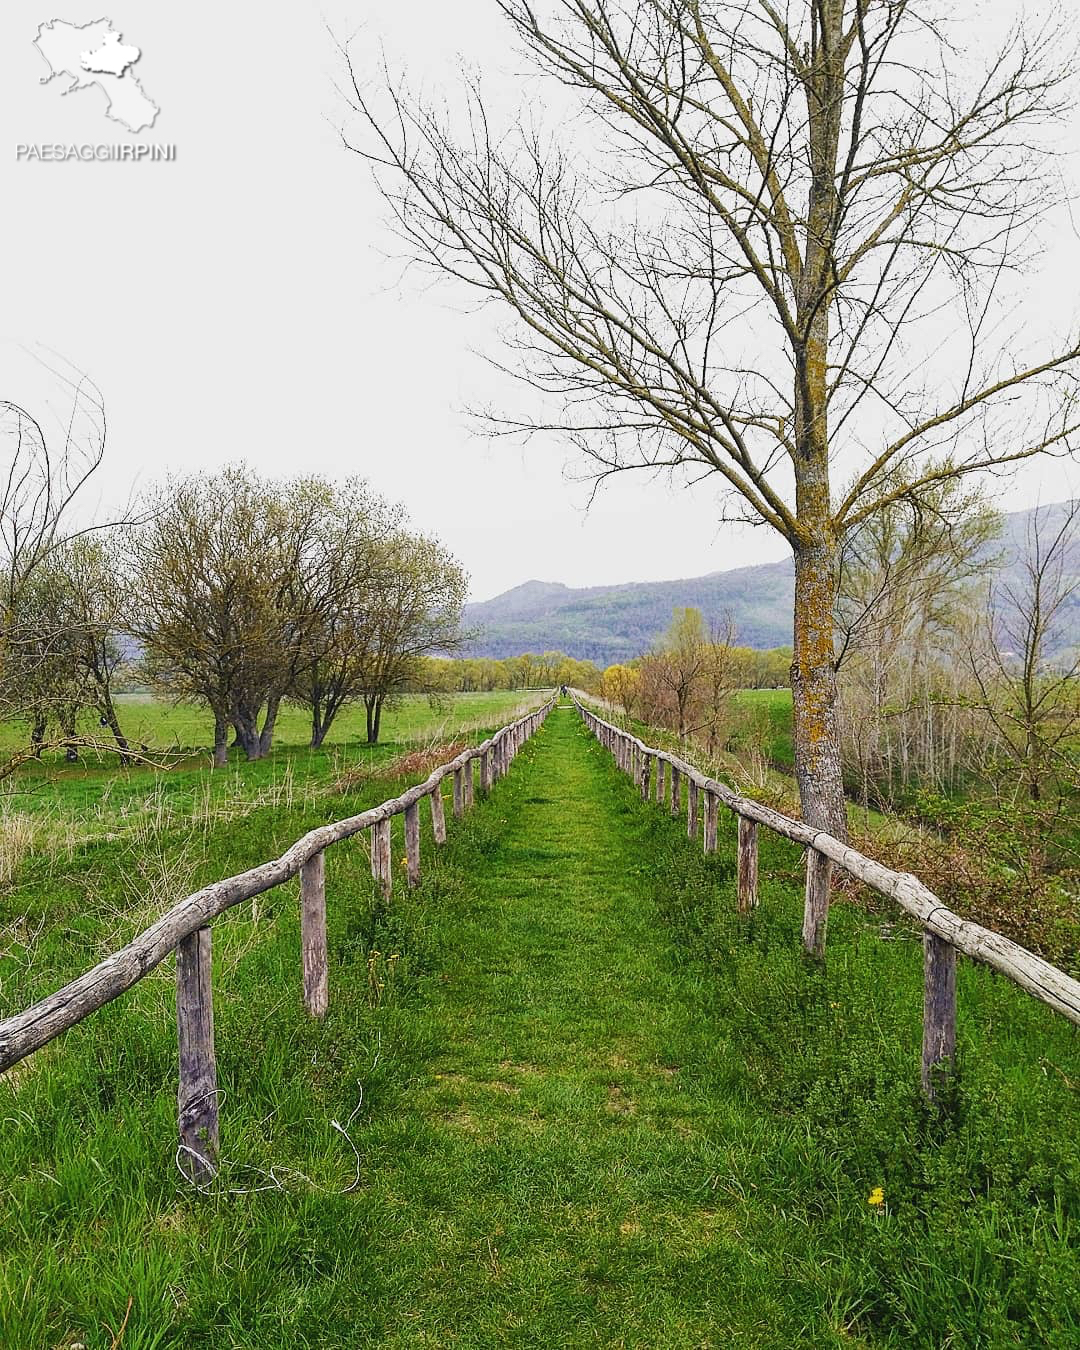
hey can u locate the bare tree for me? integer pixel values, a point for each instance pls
(53, 658)
(1027, 666)
(45, 463)
(720, 683)
(343, 593)
(787, 266)
(679, 668)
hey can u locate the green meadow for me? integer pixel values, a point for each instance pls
(564, 1094)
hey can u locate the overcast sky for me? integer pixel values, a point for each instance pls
(239, 302)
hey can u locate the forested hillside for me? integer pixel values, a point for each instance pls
(613, 623)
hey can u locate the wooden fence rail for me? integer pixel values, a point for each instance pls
(944, 933)
(185, 929)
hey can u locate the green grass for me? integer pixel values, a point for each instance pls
(773, 707)
(598, 1108)
(96, 796)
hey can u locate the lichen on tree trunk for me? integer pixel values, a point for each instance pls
(813, 688)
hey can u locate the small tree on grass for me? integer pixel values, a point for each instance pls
(415, 611)
(677, 670)
(621, 685)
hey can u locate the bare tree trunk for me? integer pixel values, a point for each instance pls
(318, 731)
(221, 740)
(373, 705)
(813, 688)
(71, 749)
(247, 733)
(108, 709)
(266, 735)
(334, 703)
(37, 734)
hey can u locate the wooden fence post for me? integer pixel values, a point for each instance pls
(313, 935)
(412, 843)
(485, 771)
(692, 810)
(748, 857)
(939, 1011)
(459, 797)
(661, 780)
(646, 767)
(196, 1097)
(816, 908)
(382, 862)
(470, 787)
(676, 791)
(712, 808)
(438, 815)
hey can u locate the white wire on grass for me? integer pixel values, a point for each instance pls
(273, 1179)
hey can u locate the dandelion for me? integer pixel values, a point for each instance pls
(876, 1197)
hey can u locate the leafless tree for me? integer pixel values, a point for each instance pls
(46, 463)
(787, 265)
(1027, 666)
(48, 455)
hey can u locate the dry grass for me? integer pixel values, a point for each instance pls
(415, 763)
(19, 837)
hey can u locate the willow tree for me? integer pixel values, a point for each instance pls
(776, 250)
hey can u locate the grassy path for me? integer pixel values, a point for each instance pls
(559, 1192)
(644, 1123)
(600, 1109)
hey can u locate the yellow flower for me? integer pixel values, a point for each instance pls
(404, 862)
(876, 1197)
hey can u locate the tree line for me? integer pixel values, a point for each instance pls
(233, 592)
(958, 672)
(530, 670)
(688, 681)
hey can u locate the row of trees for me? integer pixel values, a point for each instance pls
(950, 680)
(687, 682)
(234, 592)
(528, 671)
(253, 592)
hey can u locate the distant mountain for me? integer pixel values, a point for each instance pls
(614, 623)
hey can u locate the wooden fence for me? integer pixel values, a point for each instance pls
(944, 933)
(185, 929)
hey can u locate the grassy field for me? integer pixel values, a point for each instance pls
(773, 708)
(187, 729)
(67, 805)
(592, 1106)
